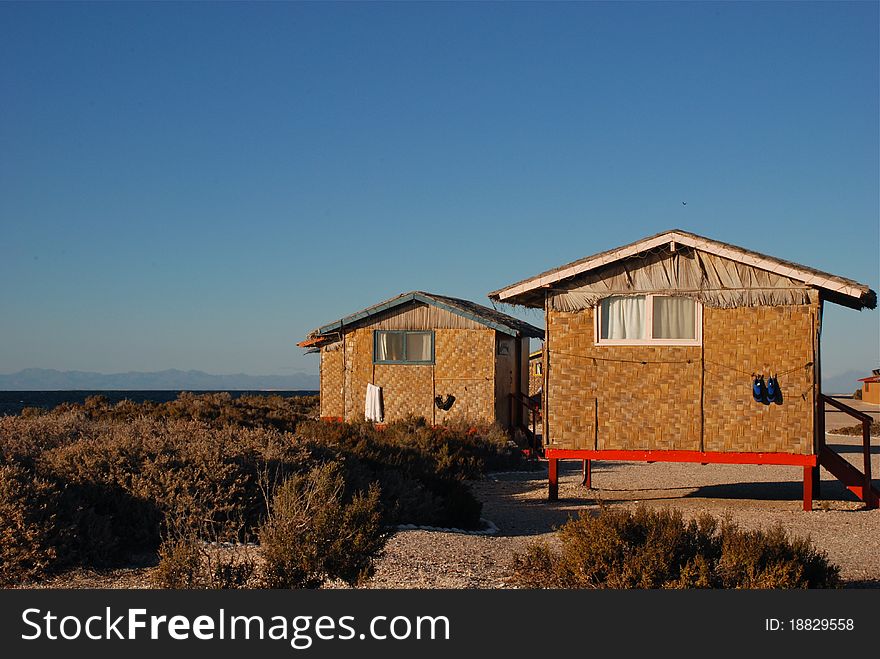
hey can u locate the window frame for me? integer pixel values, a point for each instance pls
(648, 339)
(376, 359)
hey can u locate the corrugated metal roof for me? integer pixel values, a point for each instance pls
(487, 316)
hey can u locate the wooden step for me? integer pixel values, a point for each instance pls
(850, 476)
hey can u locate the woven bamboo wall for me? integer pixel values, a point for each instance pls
(358, 371)
(465, 363)
(570, 394)
(332, 381)
(750, 339)
(657, 405)
(406, 389)
(650, 406)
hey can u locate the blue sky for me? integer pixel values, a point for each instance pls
(197, 186)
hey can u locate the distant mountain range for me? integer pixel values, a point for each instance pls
(42, 379)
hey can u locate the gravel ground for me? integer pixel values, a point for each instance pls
(753, 496)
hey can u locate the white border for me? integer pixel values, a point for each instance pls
(649, 325)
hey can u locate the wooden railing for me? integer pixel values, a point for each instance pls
(869, 494)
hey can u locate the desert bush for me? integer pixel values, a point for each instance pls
(30, 536)
(658, 549)
(188, 561)
(214, 409)
(146, 471)
(420, 468)
(771, 559)
(116, 475)
(314, 532)
(857, 430)
(23, 439)
(180, 564)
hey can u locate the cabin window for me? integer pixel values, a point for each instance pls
(648, 319)
(674, 318)
(622, 318)
(400, 347)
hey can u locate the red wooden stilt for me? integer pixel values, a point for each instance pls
(808, 488)
(588, 475)
(553, 477)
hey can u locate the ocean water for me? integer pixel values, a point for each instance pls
(12, 402)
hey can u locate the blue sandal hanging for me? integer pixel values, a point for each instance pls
(773, 392)
(759, 390)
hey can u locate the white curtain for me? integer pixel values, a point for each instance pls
(418, 347)
(623, 317)
(390, 347)
(674, 318)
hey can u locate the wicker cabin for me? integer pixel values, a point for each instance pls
(432, 356)
(536, 372)
(653, 351)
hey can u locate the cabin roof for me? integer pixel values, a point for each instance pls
(841, 290)
(491, 318)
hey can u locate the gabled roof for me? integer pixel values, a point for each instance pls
(487, 316)
(837, 289)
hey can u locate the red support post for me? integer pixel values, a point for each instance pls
(808, 488)
(588, 475)
(866, 454)
(553, 478)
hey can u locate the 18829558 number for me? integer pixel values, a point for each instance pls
(821, 624)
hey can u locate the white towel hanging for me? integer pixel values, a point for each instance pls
(373, 407)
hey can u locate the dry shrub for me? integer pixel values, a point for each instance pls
(180, 564)
(29, 532)
(44, 526)
(772, 559)
(94, 483)
(658, 549)
(420, 468)
(23, 439)
(858, 429)
(315, 533)
(187, 561)
(214, 409)
(143, 472)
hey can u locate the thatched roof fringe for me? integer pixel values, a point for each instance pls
(531, 292)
